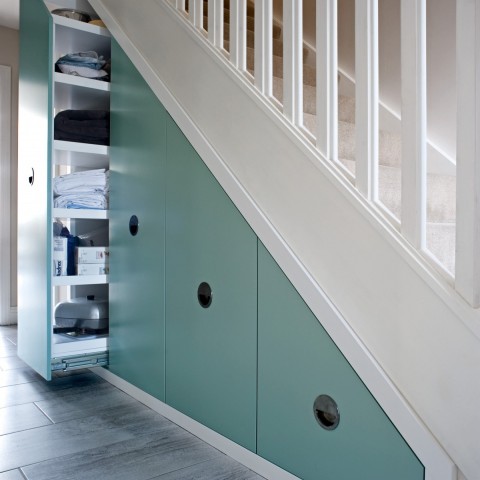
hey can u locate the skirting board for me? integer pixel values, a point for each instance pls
(240, 454)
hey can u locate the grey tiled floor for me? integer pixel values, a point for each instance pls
(78, 426)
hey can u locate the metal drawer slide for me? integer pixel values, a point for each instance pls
(80, 361)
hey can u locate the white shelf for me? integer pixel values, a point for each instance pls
(62, 145)
(80, 26)
(77, 81)
(63, 345)
(80, 214)
(75, 280)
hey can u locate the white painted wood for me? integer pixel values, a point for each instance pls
(6, 317)
(467, 268)
(75, 280)
(79, 213)
(80, 147)
(366, 97)
(75, 25)
(414, 120)
(263, 61)
(180, 4)
(78, 81)
(196, 13)
(326, 224)
(215, 22)
(238, 34)
(327, 87)
(293, 61)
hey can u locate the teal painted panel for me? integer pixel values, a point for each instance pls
(211, 352)
(297, 361)
(34, 202)
(137, 268)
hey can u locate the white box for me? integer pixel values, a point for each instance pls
(91, 255)
(92, 269)
(60, 256)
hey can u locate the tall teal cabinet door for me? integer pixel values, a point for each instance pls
(34, 177)
(211, 340)
(137, 255)
(299, 362)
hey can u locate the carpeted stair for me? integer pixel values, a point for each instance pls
(440, 188)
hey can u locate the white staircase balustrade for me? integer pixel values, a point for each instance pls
(238, 34)
(263, 46)
(215, 23)
(467, 268)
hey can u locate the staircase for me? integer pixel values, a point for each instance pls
(334, 242)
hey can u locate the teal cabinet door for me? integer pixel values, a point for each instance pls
(297, 362)
(34, 178)
(211, 352)
(137, 271)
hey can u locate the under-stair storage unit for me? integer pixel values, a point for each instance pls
(316, 418)
(211, 294)
(137, 230)
(45, 205)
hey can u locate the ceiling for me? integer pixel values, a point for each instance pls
(9, 13)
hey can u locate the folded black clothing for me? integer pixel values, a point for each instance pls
(85, 126)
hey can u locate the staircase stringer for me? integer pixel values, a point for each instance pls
(335, 248)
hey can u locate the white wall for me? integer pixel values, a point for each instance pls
(9, 51)
(440, 58)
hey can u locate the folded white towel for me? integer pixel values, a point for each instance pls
(92, 201)
(89, 181)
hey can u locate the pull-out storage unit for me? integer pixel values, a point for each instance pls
(44, 93)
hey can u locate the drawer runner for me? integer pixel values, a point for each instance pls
(80, 361)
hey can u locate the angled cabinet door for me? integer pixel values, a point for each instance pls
(297, 363)
(211, 299)
(34, 178)
(137, 229)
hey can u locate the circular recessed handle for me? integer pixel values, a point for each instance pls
(326, 412)
(204, 295)
(133, 225)
(31, 178)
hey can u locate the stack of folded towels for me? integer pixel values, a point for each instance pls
(87, 189)
(84, 126)
(84, 64)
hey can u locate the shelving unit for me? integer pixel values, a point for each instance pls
(55, 36)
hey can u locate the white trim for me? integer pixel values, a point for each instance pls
(232, 449)
(6, 311)
(437, 463)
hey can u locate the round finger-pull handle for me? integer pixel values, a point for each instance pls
(31, 178)
(204, 295)
(133, 225)
(326, 412)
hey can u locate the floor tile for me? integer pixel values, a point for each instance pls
(10, 363)
(21, 417)
(141, 458)
(18, 376)
(12, 475)
(220, 468)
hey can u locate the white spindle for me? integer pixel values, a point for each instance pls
(414, 120)
(327, 71)
(293, 61)
(215, 22)
(238, 33)
(366, 97)
(196, 13)
(180, 4)
(467, 262)
(263, 46)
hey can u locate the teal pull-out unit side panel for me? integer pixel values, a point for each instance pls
(298, 361)
(211, 356)
(137, 263)
(34, 178)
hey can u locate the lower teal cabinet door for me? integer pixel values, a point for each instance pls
(137, 262)
(211, 313)
(298, 362)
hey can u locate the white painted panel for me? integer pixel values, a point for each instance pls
(263, 46)
(238, 34)
(293, 61)
(327, 94)
(366, 97)
(467, 269)
(414, 121)
(5, 178)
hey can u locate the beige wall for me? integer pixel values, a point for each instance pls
(9, 43)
